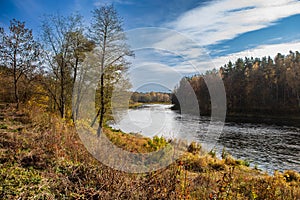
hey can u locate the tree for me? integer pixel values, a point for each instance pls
(79, 46)
(107, 33)
(293, 73)
(19, 52)
(65, 47)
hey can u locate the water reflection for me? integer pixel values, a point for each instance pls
(267, 146)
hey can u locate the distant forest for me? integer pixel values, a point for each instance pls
(254, 86)
(150, 97)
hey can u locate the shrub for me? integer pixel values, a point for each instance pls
(195, 163)
(224, 153)
(218, 166)
(157, 143)
(230, 160)
(243, 162)
(291, 175)
(194, 148)
(213, 153)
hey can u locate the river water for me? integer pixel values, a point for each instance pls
(269, 147)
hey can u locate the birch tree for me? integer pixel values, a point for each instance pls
(107, 33)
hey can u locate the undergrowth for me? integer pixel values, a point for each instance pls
(42, 157)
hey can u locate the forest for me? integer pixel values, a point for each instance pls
(254, 86)
(150, 97)
(56, 70)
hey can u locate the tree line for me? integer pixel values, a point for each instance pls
(150, 97)
(254, 86)
(56, 69)
(69, 57)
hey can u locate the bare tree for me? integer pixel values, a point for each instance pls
(19, 52)
(107, 33)
(65, 47)
(78, 49)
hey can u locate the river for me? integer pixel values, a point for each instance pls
(269, 147)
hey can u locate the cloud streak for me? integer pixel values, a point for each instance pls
(218, 21)
(169, 76)
(191, 34)
(224, 20)
(259, 52)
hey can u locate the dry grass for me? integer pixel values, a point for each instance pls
(42, 157)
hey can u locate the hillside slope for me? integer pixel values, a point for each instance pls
(43, 158)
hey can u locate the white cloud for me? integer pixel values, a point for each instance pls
(207, 25)
(166, 42)
(223, 20)
(259, 52)
(149, 73)
(146, 72)
(212, 23)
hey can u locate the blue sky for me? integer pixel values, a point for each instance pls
(186, 36)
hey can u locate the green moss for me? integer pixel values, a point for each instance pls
(18, 181)
(3, 126)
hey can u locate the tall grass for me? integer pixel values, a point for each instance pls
(43, 158)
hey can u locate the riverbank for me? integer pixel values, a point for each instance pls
(42, 157)
(133, 105)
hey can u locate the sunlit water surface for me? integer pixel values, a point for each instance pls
(269, 147)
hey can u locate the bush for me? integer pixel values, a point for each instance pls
(157, 143)
(243, 162)
(291, 175)
(213, 153)
(230, 160)
(218, 166)
(194, 148)
(224, 153)
(195, 163)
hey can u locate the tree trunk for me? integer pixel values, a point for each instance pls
(15, 79)
(17, 99)
(298, 98)
(277, 93)
(102, 104)
(77, 103)
(62, 91)
(102, 109)
(75, 106)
